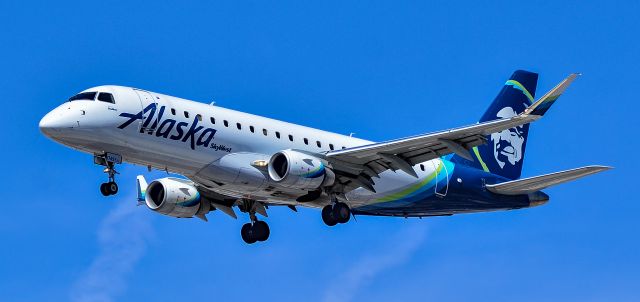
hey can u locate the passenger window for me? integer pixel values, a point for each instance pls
(239, 126)
(106, 97)
(199, 117)
(306, 141)
(186, 114)
(319, 144)
(264, 131)
(251, 129)
(290, 137)
(226, 124)
(277, 134)
(85, 96)
(173, 111)
(213, 121)
(331, 146)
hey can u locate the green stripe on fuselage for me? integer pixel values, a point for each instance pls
(413, 188)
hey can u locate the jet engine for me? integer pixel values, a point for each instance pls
(175, 197)
(298, 170)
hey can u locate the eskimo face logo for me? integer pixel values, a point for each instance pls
(507, 144)
(153, 124)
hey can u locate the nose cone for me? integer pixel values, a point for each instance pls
(53, 123)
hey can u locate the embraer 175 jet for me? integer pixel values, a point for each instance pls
(234, 159)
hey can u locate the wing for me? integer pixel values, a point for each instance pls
(359, 164)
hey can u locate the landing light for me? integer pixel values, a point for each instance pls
(261, 163)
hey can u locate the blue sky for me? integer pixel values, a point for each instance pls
(381, 69)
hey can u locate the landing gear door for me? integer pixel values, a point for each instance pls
(149, 121)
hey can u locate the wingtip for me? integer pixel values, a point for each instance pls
(574, 76)
(596, 168)
(601, 167)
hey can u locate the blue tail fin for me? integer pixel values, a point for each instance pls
(503, 154)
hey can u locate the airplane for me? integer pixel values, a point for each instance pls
(230, 159)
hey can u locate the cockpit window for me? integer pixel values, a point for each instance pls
(85, 96)
(106, 97)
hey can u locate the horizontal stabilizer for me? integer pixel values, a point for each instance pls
(537, 183)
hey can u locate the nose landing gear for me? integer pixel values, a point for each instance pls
(108, 160)
(109, 188)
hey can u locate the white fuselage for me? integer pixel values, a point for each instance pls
(221, 155)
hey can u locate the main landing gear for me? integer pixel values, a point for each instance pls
(109, 161)
(256, 230)
(335, 213)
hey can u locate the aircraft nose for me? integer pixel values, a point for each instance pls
(52, 124)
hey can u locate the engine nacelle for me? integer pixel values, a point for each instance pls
(297, 170)
(175, 197)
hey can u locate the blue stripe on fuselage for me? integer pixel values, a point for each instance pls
(468, 195)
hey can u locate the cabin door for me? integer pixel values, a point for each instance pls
(440, 172)
(151, 115)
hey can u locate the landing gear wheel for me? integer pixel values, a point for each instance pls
(109, 188)
(108, 160)
(247, 233)
(327, 216)
(341, 212)
(113, 187)
(104, 190)
(261, 231)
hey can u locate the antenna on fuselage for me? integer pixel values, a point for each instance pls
(351, 134)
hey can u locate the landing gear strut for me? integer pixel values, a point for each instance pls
(108, 160)
(335, 213)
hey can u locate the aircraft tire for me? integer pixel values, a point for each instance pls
(113, 188)
(261, 230)
(104, 190)
(341, 212)
(327, 216)
(247, 233)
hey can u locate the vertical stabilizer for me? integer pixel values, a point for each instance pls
(504, 152)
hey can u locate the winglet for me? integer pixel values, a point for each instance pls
(543, 104)
(142, 188)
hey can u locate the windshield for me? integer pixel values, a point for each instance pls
(106, 97)
(86, 96)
